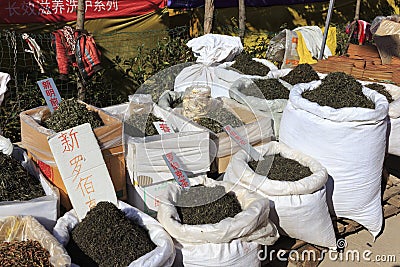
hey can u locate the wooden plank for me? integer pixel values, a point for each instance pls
(390, 192)
(389, 211)
(395, 201)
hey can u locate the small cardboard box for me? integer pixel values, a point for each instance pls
(387, 40)
(34, 140)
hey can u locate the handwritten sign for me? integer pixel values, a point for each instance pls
(163, 127)
(50, 93)
(243, 143)
(82, 168)
(175, 166)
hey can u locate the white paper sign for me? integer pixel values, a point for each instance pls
(243, 143)
(163, 127)
(175, 166)
(82, 168)
(50, 93)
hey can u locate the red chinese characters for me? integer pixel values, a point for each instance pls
(177, 171)
(49, 90)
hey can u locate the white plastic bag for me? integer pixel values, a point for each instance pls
(4, 79)
(23, 228)
(45, 209)
(6, 147)
(349, 143)
(294, 204)
(229, 238)
(162, 255)
(211, 50)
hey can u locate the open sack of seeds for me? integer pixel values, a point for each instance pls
(213, 52)
(25, 242)
(25, 191)
(346, 133)
(294, 183)
(216, 223)
(392, 93)
(145, 146)
(115, 236)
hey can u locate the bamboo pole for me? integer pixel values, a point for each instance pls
(80, 25)
(208, 16)
(357, 15)
(242, 18)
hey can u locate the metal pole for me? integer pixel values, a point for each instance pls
(328, 20)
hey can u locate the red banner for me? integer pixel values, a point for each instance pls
(47, 11)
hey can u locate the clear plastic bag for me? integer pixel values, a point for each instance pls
(22, 228)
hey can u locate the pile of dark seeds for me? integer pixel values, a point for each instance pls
(206, 205)
(302, 73)
(71, 113)
(381, 89)
(16, 183)
(246, 65)
(136, 123)
(78, 256)
(218, 118)
(339, 90)
(110, 238)
(282, 169)
(28, 253)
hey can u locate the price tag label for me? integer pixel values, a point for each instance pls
(163, 127)
(175, 166)
(50, 93)
(243, 143)
(82, 168)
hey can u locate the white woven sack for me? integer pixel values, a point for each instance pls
(349, 143)
(394, 116)
(162, 255)
(294, 204)
(229, 239)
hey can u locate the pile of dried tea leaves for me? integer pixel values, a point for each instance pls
(78, 256)
(302, 73)
(24, 253)
(136, 123)
(272, 89)
(339, 90)
(281, 169)
(16, 183)
(246, 65)
(206, 205)
(108, 237)
(217, 118)
(381, 89)
(71, 113)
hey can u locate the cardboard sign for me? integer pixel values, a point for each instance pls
(82, 168)
(244, 144)
(175, 166)
(163, 127)
(50, 93)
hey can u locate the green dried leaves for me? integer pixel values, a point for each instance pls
(16, 183)
(302, 73)
(206, 205)
(110, 238)
(282, 169)
(141, 125)
(381, 89)
(71, 113)
(339, 90)
(217, 118)
(246, 65)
